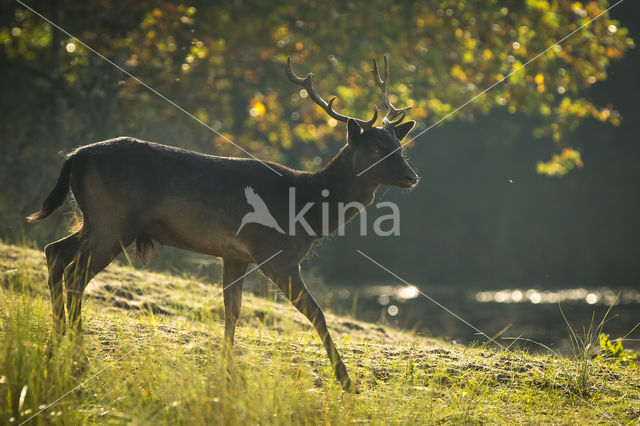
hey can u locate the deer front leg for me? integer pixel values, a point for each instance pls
(290, 282)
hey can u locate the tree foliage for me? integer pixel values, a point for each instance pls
(224, 63)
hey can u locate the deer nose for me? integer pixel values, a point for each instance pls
(411, 178)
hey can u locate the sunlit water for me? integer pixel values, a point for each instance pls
(604, 296)
(528, 314)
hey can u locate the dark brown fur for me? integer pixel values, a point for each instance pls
(145, 249)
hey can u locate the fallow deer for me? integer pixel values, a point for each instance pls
(130, 190)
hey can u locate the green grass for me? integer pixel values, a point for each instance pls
(144, 363)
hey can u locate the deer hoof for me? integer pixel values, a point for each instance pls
(348, 386)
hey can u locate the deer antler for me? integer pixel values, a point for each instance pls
(310, 86)
(384, 85)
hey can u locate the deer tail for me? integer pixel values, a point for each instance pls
(57, 195)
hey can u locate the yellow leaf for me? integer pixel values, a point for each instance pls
(257, 109)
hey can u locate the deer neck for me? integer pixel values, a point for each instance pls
(347, 194)
(343, 184)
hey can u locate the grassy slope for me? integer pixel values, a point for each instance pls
(157, 366)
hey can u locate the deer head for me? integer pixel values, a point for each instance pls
(368, 143)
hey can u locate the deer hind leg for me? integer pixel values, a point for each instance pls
(232, 278)
(59, 254)
(289, 281)
(92, 257)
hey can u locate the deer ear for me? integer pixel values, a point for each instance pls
(402, 130)
(353, 132)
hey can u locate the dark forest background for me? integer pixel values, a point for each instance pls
(536, 183)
